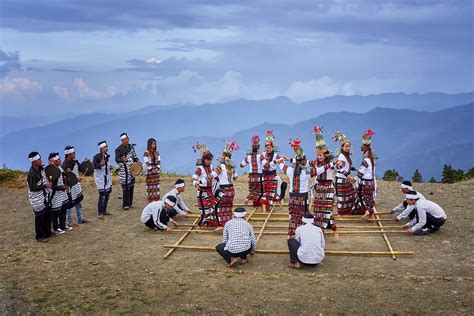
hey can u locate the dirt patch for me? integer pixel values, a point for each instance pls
(116, 265)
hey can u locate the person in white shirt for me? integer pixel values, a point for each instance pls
(181, 208)
(156, 215)
(407, 211)
(238, 239)
(307, 247)
(430, 216)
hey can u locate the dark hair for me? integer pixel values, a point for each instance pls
(171, 198)
(240, 210)
(151, 153)
(179, 181)
(32, 154)
(370, 155)
(51, 155)
(407, 182)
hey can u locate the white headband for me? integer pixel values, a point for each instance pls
(123, 136)
(102, 145)
(179, 185)
(69, 151)
(404, 186)
(55, 158)
(239, 214)
(308, 220)
(167, 201)
(37, 157)
(411, 196)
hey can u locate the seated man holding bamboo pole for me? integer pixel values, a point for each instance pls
(238, 239)
(307, 247)
(429, 215)
(158, 214)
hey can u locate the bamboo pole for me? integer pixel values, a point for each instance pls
(338, 226)
(389, 245)
(326, 232)
(278, 251)
(280, 219)
(264, 224)
(181, 239)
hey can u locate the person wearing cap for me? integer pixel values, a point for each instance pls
(430, 216)
(70, 164)
(238, 239)
(156, 215)
(180, 207)
(405, 209)
(59, 198)
(39, 190)
(307, 247)
(102, 177)
(125, 155)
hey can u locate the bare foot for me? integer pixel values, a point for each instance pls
(336, 236)
(232, 262)
(366, 214)
(295, 265)
(244, 261)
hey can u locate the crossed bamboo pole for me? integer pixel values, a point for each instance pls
(384, 235)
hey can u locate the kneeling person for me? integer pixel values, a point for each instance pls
(430, 216)
(308, 245)
(238, 239)
(156, 215)
(180, 207)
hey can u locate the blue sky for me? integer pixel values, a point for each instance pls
(107, 56)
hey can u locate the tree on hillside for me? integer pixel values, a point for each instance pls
(470, 173)
(390, 175)
(417, 178)
(432, 180)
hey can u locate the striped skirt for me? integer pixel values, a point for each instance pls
(270, 184)
(153, 186)
(207, 204)
(365, 197)
(322, 205)
(226, 204)
(346, 196)
(297, 207)
(255, 188)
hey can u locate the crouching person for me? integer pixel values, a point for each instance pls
(238, 239)
(307, 247)
(429, 215)
(157, 215)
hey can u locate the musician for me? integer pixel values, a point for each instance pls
(70, 164)
(39, 190)
(102, 178)
(59, 198)
(125, 155)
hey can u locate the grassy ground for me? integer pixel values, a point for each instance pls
(116, 266)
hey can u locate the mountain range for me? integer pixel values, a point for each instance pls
(436, 131)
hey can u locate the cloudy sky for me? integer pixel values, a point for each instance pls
(85, 55)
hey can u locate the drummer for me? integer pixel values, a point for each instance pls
(71, 165)
(59, 198)
(102, 177)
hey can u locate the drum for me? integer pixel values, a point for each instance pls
(52, 172)
(87, 168)
(136, 169)
(70, 179)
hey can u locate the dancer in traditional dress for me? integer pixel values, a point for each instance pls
(270, 176)
(430, 216)
(152, 161)
(344, 182)
(307, 248)
(125, 155)
(59, 198)
(203, 181)
(102, 178)
(323, 188)
(39, 190)
(226, 175)
(299, 174)
(70, 164)
(407, 211)
(180, 207)
(238, 239)
(255, 160)
(365, 202)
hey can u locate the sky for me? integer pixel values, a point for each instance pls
(83, 56)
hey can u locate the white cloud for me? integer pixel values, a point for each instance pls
(154, 61)
(85, 91)
(318, 88)
(61, 91)
(19, 89)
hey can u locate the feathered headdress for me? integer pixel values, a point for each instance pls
(255, 144)
(204, 152)
(340, 137)
(296, 145)
(320, 143)
(230, 147)
(367, 137)
(270, 140)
